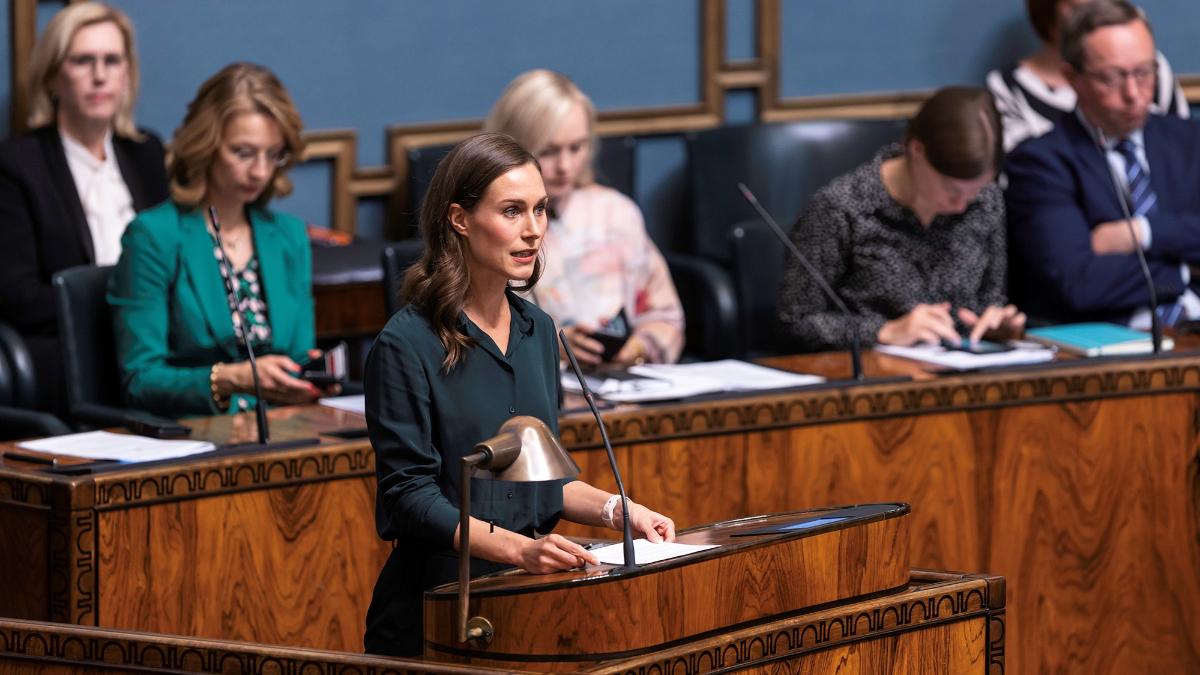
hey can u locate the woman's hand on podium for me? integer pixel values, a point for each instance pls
(554, 553)
(655, 527)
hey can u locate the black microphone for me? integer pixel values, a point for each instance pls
(260, 406)
(855, 347)
(1156, 328)
(627, 537)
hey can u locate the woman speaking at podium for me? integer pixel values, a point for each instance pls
(462, 357)
(178, 340)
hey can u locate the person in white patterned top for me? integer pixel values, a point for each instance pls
(1033, 93)
(598, 257)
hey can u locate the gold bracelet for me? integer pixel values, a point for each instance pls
(221, 402)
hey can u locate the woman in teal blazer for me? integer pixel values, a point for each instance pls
(178, 343)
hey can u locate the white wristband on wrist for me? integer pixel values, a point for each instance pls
(609, 510)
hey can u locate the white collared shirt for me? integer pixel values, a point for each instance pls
(107, 204)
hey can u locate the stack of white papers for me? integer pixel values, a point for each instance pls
(119, 447)
(355, 404)
(646, 552)
(956, 359)
(662, 382)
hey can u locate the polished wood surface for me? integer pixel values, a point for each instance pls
(942, 623)
(605, 612)
(349, 310)
(1078, 481)
(275, 547)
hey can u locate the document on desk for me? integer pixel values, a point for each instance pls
(355, 404)
(118, 447)
(1024, 353)
(646, 552)
(664, 382)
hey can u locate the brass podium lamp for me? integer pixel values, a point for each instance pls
(523, 450)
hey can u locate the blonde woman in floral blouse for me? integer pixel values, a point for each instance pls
(598, 256)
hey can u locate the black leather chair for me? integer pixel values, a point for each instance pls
(396, 258)
(784, 164)
(18, 392)
(89, 353)
(710, 308)
(759, 259)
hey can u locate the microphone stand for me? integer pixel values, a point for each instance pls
(260, 406)
(855, 346)
(1156, 327)
(627, 535)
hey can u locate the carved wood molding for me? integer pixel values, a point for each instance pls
(73, 566)
(115, 651)
(175, 482)
(959, 598)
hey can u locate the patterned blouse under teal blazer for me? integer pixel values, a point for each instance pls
(171, 313)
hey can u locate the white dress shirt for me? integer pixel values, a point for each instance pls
(107, 204)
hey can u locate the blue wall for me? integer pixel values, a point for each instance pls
(371, 63)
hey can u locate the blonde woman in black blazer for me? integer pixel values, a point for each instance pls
(84, 85)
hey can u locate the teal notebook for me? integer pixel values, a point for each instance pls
(1097, 339)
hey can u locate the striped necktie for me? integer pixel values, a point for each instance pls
(1140, 196)
(1141, 200)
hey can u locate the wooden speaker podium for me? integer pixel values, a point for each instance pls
(767, 574)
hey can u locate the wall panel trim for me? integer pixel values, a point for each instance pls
(350, 183)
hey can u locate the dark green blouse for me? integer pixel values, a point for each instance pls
(422, 421)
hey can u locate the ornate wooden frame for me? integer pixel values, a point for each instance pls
(350, 182)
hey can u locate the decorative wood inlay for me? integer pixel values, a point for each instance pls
(934, 600)
(26, 645)
(73, 566)
(952, 393)
(231, 474)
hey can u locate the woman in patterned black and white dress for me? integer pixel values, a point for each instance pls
(913, 240)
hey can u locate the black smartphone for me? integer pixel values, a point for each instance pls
(329, 368)
(981, 347)
(155, 427)
(613, 335)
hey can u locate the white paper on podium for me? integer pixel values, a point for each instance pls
(119, 447)
(646, 552)
(938, 355)
(355, 404)
(664, 382)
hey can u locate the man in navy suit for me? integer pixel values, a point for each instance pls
(1071, 251)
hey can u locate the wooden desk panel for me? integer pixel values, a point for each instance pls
(289, 566)
(1077, 481)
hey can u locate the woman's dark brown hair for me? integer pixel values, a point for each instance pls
(437, 283)
(1043, 14)
(960, 129)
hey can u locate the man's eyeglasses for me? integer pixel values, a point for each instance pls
(1113, 78)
